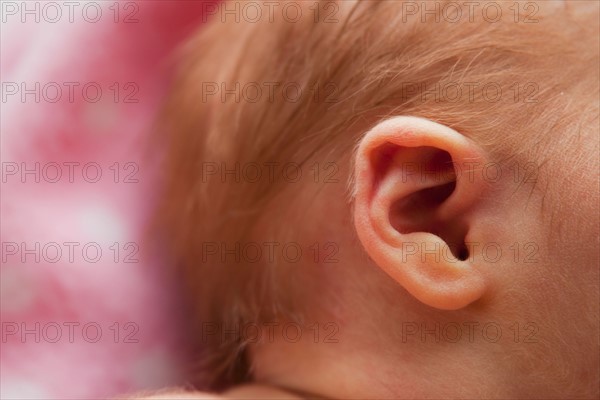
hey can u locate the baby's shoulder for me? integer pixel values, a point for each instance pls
(250, 391)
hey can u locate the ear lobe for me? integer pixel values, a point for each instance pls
(415, 187)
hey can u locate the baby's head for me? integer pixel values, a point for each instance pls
(390, 199)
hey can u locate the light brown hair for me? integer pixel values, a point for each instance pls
(377, 60)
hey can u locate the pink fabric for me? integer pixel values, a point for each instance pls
(47, 298)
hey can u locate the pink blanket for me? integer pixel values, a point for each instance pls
(84, 313)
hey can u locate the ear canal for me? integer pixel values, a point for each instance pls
(434, 178)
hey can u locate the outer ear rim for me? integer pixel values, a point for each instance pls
(456, 284)
(464, 150)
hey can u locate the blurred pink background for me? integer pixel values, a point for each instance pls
(84, 313)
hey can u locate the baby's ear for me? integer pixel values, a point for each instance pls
(416, 190)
